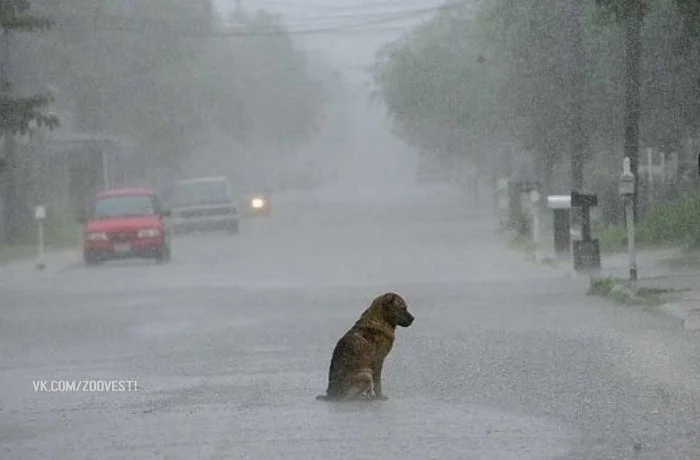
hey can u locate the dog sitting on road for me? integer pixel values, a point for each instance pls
(360, 353)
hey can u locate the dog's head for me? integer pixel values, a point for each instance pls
(394, 309)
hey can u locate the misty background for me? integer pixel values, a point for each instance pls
(274, 95)
(358, 97)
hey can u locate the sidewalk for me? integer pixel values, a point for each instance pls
(656, 270)
(53, 262)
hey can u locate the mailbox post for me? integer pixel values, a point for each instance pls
(524, 201)
(502, 196)
(561, 210)
(627, 192)
(535, 201)
(40, 215)
(586, 250)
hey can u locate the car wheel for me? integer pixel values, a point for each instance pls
(233, 228)
(163, 255)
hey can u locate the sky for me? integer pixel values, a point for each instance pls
(350, 52)
(359, 136)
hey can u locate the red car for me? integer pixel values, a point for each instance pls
(126, 223)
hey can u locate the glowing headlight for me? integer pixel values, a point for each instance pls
(96, 236)
(148, 233)
(257, 203)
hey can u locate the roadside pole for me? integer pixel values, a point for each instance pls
(40, 215)
(535, 201)
(627, 194)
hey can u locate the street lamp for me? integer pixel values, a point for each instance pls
(627, 192)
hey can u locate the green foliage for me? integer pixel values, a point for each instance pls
(625, 293)
(18, 114)
(612, 238)
(619, 10)
(165, 74)
(14, 15)
(601, 286)
(690, 11)
(502, 74)
(465, 79)
(674, 223)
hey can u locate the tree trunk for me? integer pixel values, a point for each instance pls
(9, 193)
(8, 179)
(578, 81)
(633, 53)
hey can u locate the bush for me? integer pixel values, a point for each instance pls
(612, 238)
(61, 232)
(676, 222)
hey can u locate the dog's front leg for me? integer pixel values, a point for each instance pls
(377, 377)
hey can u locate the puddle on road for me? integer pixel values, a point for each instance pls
(420, 429)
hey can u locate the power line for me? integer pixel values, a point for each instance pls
(263, 4)
(281, 29)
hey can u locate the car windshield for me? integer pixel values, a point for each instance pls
(196, 193)
(123, 206)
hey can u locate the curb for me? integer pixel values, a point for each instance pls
(688, 317)
(56, 263)
(68, 266)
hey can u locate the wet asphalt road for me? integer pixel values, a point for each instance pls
(230, 344)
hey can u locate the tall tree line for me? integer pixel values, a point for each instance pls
(562, 81)
(165, 73)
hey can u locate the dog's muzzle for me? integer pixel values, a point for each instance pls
(406, 320)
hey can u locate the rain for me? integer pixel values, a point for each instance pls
(199, 198)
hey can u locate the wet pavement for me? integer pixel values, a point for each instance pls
(230, 343)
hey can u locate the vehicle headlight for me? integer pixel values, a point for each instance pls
(96, 236)
(257, 203)
(148, 233)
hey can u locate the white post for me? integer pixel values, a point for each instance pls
(535, 199)
(630, 240)
(40, 215)
(105, 169)
(650, 176)
(627, 192)
(41, 239)
(663, 167)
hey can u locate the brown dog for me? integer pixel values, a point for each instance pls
(364, 347)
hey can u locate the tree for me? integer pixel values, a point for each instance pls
(167, 75)
(463, 79)
(17, 113)
(631, 14)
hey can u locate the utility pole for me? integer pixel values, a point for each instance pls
(633, 52)
(578, 80)
(238, 12)
(9, 195)
(576, 92)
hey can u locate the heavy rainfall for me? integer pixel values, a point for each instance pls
(199, 198)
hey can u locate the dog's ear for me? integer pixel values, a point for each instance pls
(393, 301)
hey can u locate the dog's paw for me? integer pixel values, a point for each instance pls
(381, 397)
